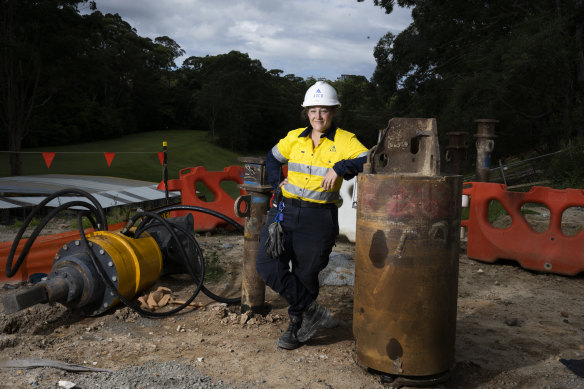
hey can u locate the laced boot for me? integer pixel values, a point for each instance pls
(313, 317)
(289, 339)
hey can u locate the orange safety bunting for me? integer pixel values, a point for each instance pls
(109, 157)
(48, 158)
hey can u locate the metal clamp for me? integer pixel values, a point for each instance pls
(246, 199)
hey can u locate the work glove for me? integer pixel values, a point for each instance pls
(275, 242)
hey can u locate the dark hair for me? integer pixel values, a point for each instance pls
(333, 108)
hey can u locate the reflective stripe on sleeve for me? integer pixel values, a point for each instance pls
(276, 153)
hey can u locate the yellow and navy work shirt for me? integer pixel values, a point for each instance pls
(307, 166)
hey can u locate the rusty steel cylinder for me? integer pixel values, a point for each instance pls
(456, 151)
(257, 203)
(406, 252)
(253, 290)
(485, 145)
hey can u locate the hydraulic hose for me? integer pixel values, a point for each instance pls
(97, 208)
(221, 216)
(87, 215)
(103, 274)
(99, 223)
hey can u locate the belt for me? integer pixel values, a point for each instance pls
(307, 204)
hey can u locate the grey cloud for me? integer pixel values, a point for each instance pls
(320, 38)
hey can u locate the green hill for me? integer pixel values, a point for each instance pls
(136, 156)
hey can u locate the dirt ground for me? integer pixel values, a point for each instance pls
(515, 329)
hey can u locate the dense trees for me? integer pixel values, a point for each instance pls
(30, 56)
(240, 103)
(518, 61)
(68, 77)
(246, 107)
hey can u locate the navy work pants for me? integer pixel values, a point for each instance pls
(309, 236)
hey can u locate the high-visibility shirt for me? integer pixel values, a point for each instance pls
(307, 166)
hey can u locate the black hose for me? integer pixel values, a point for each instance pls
(221, 216)
(198, 250)
(10, 271)
(105, 278)
(88, 216)
(226, 300)
(101, 225)
(169, 208)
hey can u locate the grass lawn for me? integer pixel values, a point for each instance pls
(136, 156)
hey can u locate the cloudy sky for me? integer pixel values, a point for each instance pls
(318, 38)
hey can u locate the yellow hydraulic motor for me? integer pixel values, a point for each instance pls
(77, 277)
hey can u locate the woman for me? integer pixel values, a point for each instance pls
(307, 216)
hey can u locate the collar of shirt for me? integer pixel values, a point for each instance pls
(330, 133)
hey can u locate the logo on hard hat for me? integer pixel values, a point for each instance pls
(321, 93)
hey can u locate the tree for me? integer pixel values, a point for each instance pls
(29, 42)
(92, 75)
(362, 111)
(521, 62)
(243, 105)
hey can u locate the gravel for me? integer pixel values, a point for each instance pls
(149, 375)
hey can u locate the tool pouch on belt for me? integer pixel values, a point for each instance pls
(278, 197)
(275, 242)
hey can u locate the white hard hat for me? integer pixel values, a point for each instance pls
(321, 93)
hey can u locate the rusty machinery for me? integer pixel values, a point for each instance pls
(455, 151)
(95, 272)
(407, 243)
(485, 145)
(257, 204)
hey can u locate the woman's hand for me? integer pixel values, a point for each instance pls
(329, 179)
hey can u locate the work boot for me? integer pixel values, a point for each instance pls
(313, 317)
(331, 322)
(289, 339)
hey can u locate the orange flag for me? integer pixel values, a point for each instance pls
(161, 157)
(109, 157)
(48, 158)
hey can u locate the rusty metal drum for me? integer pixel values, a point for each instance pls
(406, 269)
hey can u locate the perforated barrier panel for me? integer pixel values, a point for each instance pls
(548, 251)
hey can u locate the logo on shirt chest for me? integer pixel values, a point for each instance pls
(333, 149)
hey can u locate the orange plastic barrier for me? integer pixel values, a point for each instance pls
(41, 255)
(550, 251)
(222, 202)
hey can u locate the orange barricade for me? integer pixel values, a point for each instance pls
(41, 255)
(550, 251)
(222, 202)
